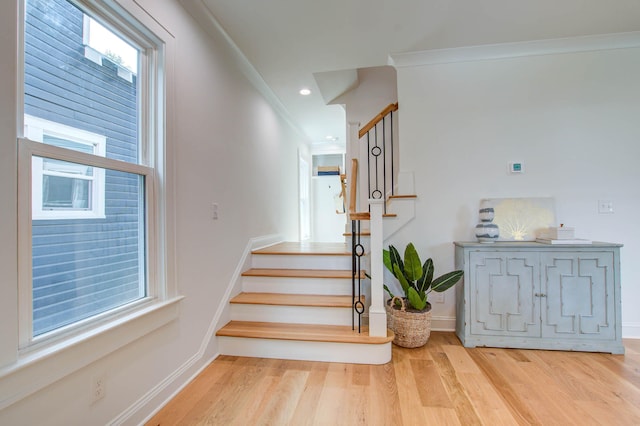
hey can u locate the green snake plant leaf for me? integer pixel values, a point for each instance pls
(412, 263)
(400, 276)
(415, 300)
(396, 260)
(427, 275)
(388, 291)
(386, 260)
(446, 281)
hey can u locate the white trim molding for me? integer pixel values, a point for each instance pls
(439, 323)
(167, 389)
(631, 330)
(515, 50)
(42, 368)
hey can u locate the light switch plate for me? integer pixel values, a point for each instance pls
(605, 206)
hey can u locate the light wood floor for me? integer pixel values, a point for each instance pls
(440, 384)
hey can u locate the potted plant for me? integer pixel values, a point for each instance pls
(409, 317)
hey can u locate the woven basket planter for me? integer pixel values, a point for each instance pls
(412, 328)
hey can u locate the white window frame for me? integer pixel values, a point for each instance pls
(151, 100)
(32, 368)
(35, 129)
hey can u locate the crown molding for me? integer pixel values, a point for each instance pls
(203, 15)
(516, 50)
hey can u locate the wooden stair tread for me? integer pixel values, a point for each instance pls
(282, 299)
(304, 332)
(367, 216)
(310, 248)
(360, 216)
(402, 196)
(362, 234)
(299, 273)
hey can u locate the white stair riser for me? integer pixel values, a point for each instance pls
(352, 353)
(301, 262)
(364, 240)
(337, 286)
(291, 314)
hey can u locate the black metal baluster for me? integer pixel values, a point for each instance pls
(358, 306)
(357, 251)
(353, 271)
(369, 163)
(392, 165)
(384, 163)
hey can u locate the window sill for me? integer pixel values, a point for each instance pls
(40, 368)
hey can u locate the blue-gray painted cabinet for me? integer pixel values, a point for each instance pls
(539, 296)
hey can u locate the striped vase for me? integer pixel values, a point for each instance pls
(486, 231)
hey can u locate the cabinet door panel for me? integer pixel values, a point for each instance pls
(502, 299)
(579, 300)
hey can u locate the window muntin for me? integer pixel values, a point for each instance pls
(101, 103)
(62, 189)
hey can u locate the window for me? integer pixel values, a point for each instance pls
(88, 171)
(102, 44)
(60, 189)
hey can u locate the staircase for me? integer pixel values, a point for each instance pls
(296, 303)
(298, 300)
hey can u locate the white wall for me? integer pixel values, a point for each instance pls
(571, 118)
(376, 89)
(231, 147)
(327, 225)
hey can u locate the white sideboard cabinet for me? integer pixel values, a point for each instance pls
(539, 296)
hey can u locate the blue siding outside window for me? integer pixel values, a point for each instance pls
(82, 267)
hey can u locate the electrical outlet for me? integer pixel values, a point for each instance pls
(98, 389)
(214, 211)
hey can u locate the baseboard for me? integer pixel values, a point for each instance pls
(182, 375)
(443, 323)
(631, 330)
(160, 395)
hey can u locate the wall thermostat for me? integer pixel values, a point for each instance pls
(516, 167)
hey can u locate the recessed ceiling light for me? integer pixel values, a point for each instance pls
(305, 92)
(331, 138)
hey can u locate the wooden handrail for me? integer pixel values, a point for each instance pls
(377, 119)
(343, 193)
(353, 183)
(353, 189)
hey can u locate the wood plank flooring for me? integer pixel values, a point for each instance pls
(442, 383)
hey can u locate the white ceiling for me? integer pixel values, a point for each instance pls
(287, 41)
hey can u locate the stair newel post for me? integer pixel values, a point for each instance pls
(377, 313)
